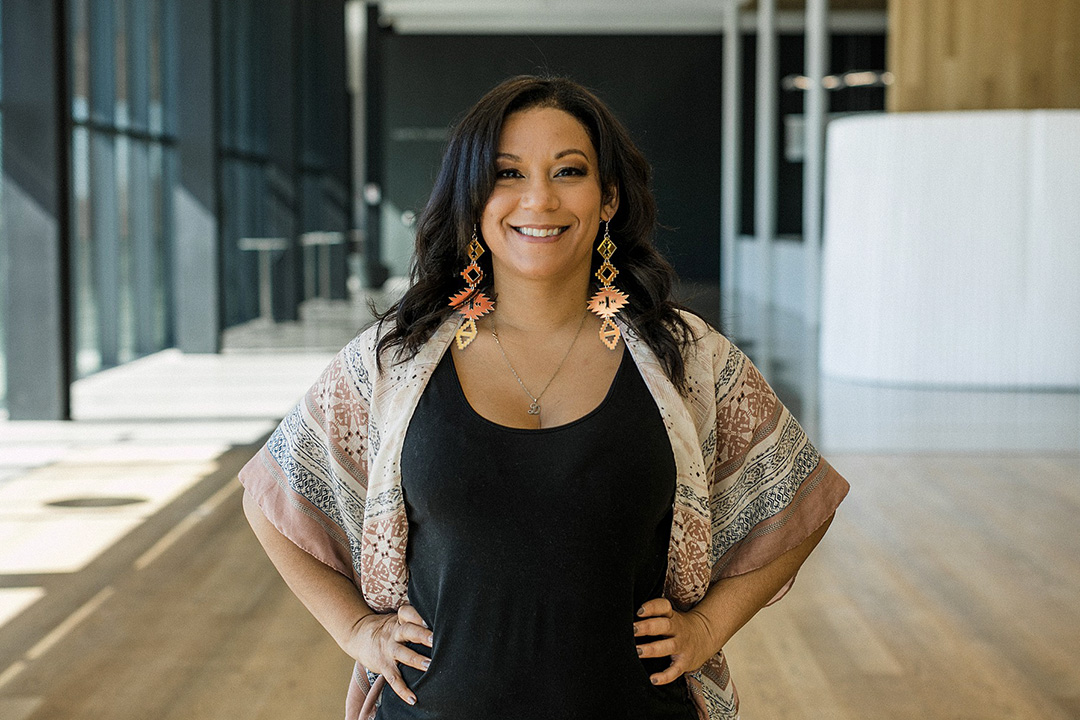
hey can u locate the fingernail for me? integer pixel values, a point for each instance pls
(426, 664)
(654, 681)
(431, 638)
(641, 611)
(639, 652)
(411, 700)
(635, 628)
(426, 626)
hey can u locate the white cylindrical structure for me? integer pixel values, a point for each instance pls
(952, 249)
(765, 143)
(355, 38)
(816, 106)
(731, 133)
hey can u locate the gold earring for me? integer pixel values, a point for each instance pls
(471, 303)
(608, 300)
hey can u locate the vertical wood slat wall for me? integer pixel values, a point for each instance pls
(984, 54)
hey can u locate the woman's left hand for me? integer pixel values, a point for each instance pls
(684, 636)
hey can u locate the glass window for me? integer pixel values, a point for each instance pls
(284, 160)
(137, 34)
(80, 60)
(87, 355)
(123, 173)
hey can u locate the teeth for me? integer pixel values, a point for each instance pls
(540, 232)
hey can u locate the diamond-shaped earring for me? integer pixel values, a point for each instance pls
(608, 300)
(470, 303)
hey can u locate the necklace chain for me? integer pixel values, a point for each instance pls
(534, 408)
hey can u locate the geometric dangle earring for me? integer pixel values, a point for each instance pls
(470, 303)
(608, 300)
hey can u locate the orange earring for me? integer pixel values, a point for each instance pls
(471, 303)
(608, 300)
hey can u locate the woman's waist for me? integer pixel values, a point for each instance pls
(526, 671)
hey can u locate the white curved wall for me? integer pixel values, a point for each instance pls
(952, 249)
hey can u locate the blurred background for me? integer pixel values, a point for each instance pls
(876, 199)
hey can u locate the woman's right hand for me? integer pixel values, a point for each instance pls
(379, 645)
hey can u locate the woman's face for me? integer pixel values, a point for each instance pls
(546, 208)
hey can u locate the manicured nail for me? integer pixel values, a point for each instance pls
(641, 611)
(654, 681)
(411, 700)
(430, 639)
(635, 629)
(639, 651)
(426, 664)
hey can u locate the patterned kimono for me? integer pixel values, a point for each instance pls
(749, 485)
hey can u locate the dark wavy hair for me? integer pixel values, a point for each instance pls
(464, 184)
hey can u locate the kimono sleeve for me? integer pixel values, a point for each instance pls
(770, 488)
(310, 478)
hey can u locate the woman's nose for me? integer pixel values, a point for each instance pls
(540, 195)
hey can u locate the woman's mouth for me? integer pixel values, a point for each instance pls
(541, 232)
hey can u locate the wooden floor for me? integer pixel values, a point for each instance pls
(948, 587)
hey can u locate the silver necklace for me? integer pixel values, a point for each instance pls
(534, 408)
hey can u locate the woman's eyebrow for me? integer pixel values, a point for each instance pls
(571, 151)
(558, 155)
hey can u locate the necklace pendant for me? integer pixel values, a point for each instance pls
(534, 409)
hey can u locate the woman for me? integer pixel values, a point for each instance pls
(557, 494)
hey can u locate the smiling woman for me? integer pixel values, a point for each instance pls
(526, 522)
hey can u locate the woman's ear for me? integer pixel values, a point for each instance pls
(611, 203)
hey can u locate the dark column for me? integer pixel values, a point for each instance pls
(35, 213)
(374, 139)
(197, 268)
(280, 25)
(328, 132)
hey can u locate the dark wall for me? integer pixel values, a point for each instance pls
(666, 89)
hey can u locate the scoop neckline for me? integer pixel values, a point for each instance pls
(460, 393)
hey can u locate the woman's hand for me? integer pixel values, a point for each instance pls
(379, 645)
(686, 637)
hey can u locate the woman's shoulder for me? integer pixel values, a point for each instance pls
(704, 341)
(358, 358)
(362, 347)
(388, 365)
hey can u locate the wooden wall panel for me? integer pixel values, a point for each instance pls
(984, 54)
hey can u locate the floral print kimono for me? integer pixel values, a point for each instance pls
(749, 484)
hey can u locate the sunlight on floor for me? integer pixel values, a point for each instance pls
(39, 538)
(14, 600)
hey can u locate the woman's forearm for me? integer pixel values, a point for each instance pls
(327, 594)
(731, 602)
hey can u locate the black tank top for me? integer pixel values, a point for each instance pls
(529, 553)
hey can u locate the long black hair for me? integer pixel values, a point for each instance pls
(464, 184)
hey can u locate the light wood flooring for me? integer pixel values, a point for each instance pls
(948, 587)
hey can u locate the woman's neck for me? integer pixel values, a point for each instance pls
(530, 306)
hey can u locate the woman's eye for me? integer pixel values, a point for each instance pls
(507, 173)
(569, 171)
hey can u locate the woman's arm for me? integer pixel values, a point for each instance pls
(375, 640)
(693, 637)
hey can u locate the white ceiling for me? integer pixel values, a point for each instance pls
(539, 17)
